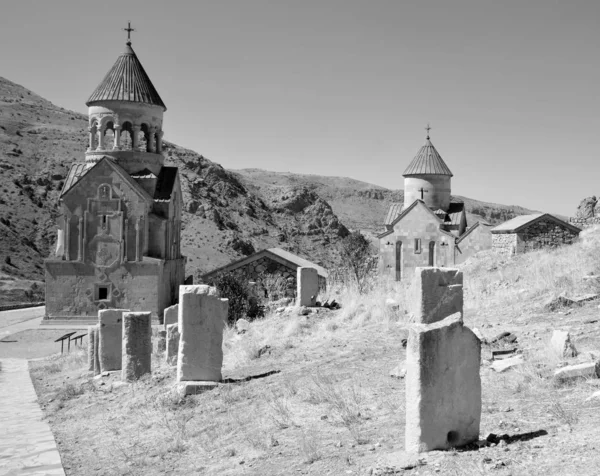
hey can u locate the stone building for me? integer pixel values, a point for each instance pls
(119, 233)
(272, 261)
(430, 228)
(531, 232)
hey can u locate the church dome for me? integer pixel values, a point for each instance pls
(127, 81)
(427, 162)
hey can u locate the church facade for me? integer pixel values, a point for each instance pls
(430, 228)
(119, 232)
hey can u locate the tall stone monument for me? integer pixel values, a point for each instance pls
(443, 385)
(202, 317)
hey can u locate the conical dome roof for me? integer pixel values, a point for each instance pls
(427, 162)
(127, 81)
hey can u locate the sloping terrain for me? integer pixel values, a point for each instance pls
(362, 205)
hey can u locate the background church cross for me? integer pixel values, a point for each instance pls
(428, 128)
(129, 30)
(422, 190)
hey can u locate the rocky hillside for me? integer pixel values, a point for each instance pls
(362, 205)
(224, 219)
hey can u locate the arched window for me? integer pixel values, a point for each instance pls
(126, 136)
(104, 192)
(143, 137)
(109, 136)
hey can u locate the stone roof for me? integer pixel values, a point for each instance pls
(393, 212)
(519, 223)
(277, 254)
(427, 162)
(127, 81)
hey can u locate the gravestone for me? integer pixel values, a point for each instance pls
(170, 315)
(307, 282)
(110, 323)
(561, 344)
(97, 369)
(172, 344)
(91, 331)
(202, 317)
(137, 345)
(161, 344)
(443, 385)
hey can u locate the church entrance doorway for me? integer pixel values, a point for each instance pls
(398, 260)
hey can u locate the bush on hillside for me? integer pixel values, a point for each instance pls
(241, 302)
(357, 255)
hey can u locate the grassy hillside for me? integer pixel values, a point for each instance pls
(331, 406)
(362, 205)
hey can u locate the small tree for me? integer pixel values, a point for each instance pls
(235, 288)
(357, 256)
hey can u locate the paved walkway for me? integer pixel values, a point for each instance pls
(27, 446)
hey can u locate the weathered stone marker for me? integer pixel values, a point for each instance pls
(111, 338)
(91, 332)
(562, 345)
(172, 344)
(97, 369)
(170, 315)
(307, 282)
(443, 385)
(162, 341)
(202, 315)
(137, 345)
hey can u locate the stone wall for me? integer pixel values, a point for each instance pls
(505, 243)
(545, 234)
(479, 239)
(585, 222)
(541, 234)
(71, 287)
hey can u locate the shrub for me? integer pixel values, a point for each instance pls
(356, 253)
(235, 288)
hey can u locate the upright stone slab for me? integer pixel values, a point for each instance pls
(561, 344)
(111, 338)
(91, 334)
(436, 293)
(170, 315)
(172, 344)
(307, 283)
(97, 369)
(443, 385)
(201, 321)
(137, 345)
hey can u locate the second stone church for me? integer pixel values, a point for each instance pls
(430, 228)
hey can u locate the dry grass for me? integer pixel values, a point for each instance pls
(333, 408)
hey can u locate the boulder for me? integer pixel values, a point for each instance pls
(586, 208)
(585, 370)
(242, 326)
(561, 344)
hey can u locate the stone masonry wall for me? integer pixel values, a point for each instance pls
(585, 222)
(545, 234)
(505, 243)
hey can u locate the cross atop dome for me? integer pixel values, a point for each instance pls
(129, 30)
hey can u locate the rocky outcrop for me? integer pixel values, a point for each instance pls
(586, 208)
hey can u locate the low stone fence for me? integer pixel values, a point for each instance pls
(585, 222)
(21, 305)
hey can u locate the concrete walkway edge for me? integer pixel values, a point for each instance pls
(27, 445)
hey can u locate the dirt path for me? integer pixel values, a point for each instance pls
(27, 445)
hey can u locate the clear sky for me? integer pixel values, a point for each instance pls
(346, 87)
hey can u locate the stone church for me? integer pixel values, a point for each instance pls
(430, 228)
(119, 232)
